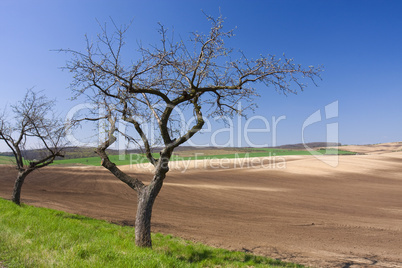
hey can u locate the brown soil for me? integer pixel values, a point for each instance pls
(308, 212)
(374, 148)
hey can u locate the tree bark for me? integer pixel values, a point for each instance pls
(16, 198)
(146, 199)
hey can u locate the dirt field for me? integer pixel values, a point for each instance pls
(375, 148)
(298, 209)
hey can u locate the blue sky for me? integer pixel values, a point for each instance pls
(358, 43)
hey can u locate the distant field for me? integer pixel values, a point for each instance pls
(6, 160)
(200, 155)
(10, 160)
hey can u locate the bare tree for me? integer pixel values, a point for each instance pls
(205, 80)
(33, 122)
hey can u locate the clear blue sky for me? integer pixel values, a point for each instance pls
(359, 43)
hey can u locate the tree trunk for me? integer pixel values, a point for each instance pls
(16, 198)
(146, 199)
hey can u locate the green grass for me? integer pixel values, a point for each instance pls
(139, 158)
(10, 160)
(40, 237)
(6, 160)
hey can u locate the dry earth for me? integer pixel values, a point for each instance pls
(295, 208)
(375, 148)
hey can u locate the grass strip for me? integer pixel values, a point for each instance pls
(6, 160)
(140, 158)
(41, 237)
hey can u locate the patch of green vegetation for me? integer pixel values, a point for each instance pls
(6, 160)
(258, 152)
(10, 160)
(96, 161)
(40, 237)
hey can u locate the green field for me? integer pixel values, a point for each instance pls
(198, 155)
(140, 158)
(40, 237)
(6, 160)
(10, 160)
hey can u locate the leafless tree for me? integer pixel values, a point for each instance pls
(32, 122)
(198, 75)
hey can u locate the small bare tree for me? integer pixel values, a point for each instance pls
(203, 79)
(33, 122)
